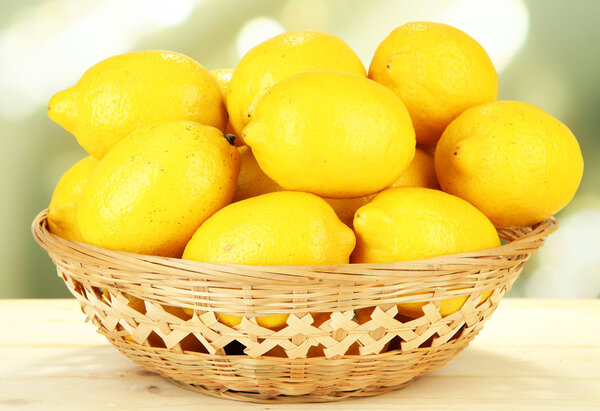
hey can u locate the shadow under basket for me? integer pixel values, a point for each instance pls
(347, 334)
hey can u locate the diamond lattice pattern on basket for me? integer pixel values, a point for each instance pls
(340, 334)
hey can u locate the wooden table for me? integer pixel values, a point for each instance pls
(532, 354)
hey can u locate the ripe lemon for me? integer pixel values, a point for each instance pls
(223, 77)
(153, 189)
(281, 228)
(127, 91)
(411, 223)
(252, 181)
(279, 58)
(420, 173)
(438, 71)
(429, 149)
(512, 160)
(337, 135)
(62, 211)
(273, 322)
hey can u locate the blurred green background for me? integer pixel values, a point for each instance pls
(546, 53)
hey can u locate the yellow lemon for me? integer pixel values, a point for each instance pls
(62, 211)
(281, 228)
(345, 208)
(429, 149)
(420, 173)
(337, 135)
(127, 91)
(273, 322)
(411, 223)
(252, 181)
(133, 302)
(153, 189)
(278, 58)
(512, 160)
(438, 71)
(268, 321)
(223, 77)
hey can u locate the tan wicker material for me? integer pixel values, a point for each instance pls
(160, 312)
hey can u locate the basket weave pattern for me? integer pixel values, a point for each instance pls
(344, 336)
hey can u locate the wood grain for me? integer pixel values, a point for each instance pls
(50, 360)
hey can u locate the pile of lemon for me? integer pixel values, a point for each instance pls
(320, 164)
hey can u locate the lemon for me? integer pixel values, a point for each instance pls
(411, 223)
(334, 134)
(132, 302)
(420, 173)
(447, 306)
(153, 189)
(252, 181)
(273, 322)
(278, 58)
(268, 321)
(62, 211)
(438, 71)
(127, 91)
(280, 228)
(429, 149)
(223, 77)
(512, 160)
(345, 208)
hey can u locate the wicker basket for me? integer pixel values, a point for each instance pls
(344, 337)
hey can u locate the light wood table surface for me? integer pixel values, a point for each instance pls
(532, 354)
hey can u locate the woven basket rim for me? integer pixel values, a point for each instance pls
(336, 272)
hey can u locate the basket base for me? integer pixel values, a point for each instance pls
(259, 398)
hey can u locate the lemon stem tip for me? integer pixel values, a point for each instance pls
(230, 139)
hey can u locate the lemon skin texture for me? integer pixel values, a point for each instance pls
(412, 223)
(151, 191)
(438, 71)
(279, 58)
(280, 228)
(252, 181)
(337, 135)
(512, 160)
(223, 78)
(420, 173)
(124, 92)
(62, 211)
